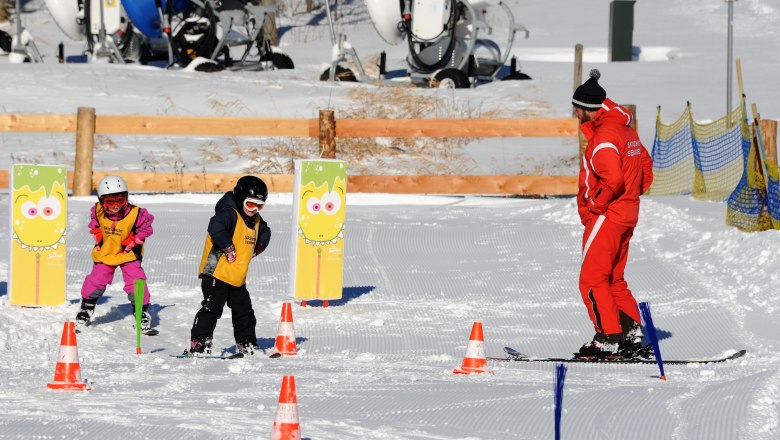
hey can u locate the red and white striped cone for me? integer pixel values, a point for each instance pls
(285, 337)
(286, 426)
(67, 373)
(475, 361)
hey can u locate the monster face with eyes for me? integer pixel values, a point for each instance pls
(39, 221)
(320, 213)
(321, 220)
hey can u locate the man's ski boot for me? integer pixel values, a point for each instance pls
(632, 338)
(602, 347)
(84, 316)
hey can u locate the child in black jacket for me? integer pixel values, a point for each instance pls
(236, 233)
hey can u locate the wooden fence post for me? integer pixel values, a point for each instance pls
(769, 136)
(577, 68)
(583, 143)
(85, 138)
(632, 108)
(327, 134)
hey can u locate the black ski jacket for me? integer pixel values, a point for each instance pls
(223, 224)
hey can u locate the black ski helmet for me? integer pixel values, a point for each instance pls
(250, 186)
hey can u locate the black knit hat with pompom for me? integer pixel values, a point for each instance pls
(590, 94)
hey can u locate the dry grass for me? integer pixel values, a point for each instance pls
(416, 156)
(229, 108)
(413, 156)
(103, 143)
(170, 160)
(431, 156)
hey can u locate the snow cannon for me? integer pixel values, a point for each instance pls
(69, 17)
(77, 19)
(445, 48)
(385, 15)
(146, 17)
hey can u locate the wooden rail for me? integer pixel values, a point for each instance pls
(215, 182)
(345, 128)
(87, 123)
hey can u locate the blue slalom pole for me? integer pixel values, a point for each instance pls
(560, 378)
(647, 317)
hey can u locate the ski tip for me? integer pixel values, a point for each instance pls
(275, 355)
(514, 353)
(738, 354)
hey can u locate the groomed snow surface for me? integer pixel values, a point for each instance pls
(378, 364)
(419, 270)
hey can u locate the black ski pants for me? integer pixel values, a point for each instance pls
(215, 295)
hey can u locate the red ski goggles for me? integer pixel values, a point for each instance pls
(253, 205)
(114, 200)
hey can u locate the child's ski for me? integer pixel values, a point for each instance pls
(187, 355)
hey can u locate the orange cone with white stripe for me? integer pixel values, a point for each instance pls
(475, 361)
(67, 373)
(286, 426)
(285, 337)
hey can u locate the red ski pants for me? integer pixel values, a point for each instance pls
(603, 289)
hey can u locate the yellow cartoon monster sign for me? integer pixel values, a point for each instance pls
(38, 225)
(319, 207)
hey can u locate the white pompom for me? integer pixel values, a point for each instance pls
(595, 74)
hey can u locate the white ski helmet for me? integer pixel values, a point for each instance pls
(111, 185)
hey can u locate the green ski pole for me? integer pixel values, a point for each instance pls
(139, 301)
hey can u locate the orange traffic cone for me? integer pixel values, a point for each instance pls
(286, 426)
(285, 337)
(475, 361)
(67, 374)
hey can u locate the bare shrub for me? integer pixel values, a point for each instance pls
(439, 156)
(103, 143)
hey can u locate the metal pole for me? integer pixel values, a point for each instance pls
(333, 39)
(729, 55)
(19, 46)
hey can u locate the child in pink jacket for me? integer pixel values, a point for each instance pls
(120, 229)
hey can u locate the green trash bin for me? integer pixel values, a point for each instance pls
(621, 30)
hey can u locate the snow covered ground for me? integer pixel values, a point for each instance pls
(419, 270)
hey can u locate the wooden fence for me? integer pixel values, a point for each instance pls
(86, 124)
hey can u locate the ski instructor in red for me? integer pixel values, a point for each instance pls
(616, 169)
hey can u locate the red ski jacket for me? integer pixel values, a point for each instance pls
(616, 168)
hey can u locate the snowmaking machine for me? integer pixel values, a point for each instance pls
(20, 46)
(444, 39)
(109, 34)
(206, 30)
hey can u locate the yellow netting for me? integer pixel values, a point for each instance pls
(701, 159)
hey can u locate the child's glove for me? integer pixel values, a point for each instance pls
(230, 253)
(98, 234)
(130, 242)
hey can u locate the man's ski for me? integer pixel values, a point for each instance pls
(516, 356)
